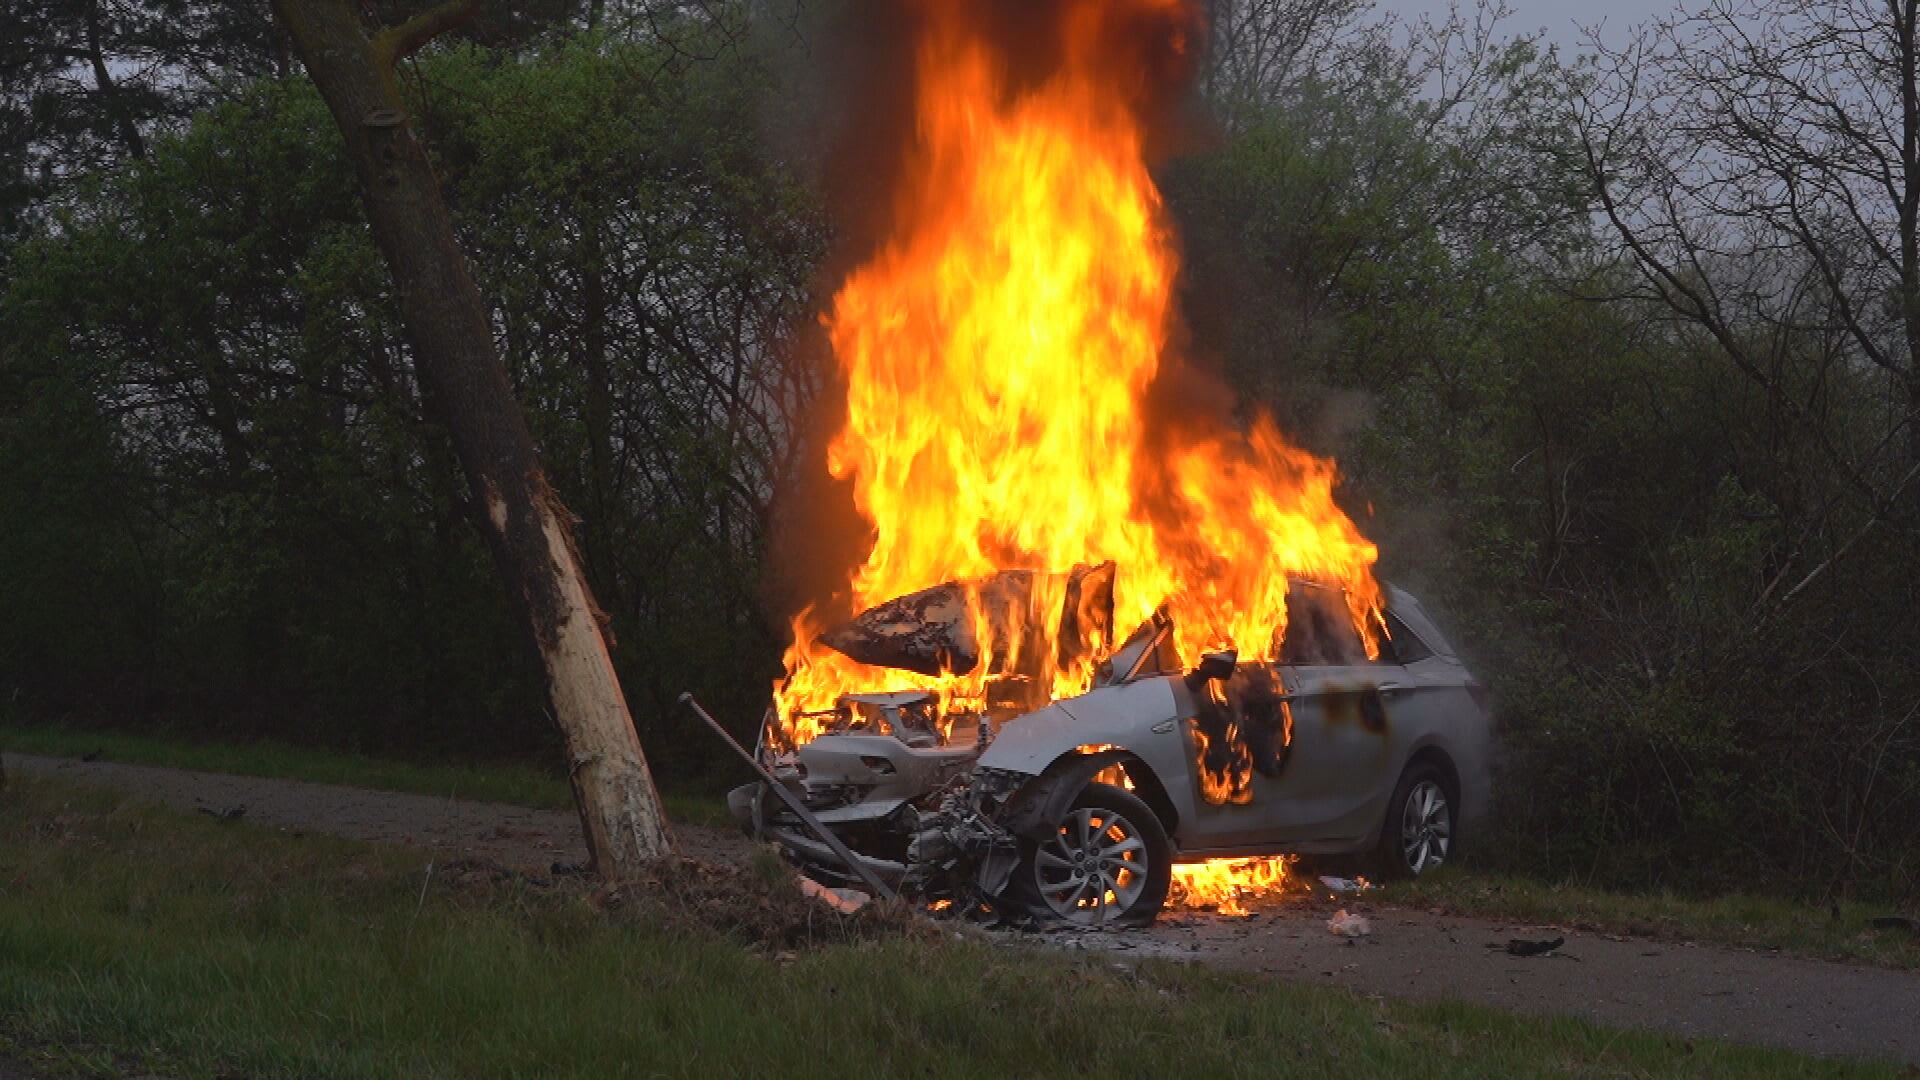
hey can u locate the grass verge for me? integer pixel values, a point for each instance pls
(521, 785)
(134, 938)
(1839, 931)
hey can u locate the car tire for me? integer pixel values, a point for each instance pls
(1108, 863)
(1421, 824)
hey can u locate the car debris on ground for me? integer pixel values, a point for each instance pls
(1348, 925)
(1524, 947)
(845, 901)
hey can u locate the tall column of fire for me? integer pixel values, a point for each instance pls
(1005, 353)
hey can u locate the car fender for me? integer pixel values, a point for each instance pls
(1065, 744)
(1142, 716)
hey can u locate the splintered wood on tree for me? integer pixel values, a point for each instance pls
(933, 630)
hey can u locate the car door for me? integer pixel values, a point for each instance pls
(1324, 730)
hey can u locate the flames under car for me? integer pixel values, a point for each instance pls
(1078, 809)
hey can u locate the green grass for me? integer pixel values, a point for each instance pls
(521, 785)
(1840, 931)
(133, 938)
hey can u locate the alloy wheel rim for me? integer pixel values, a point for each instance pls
(1094, 868)
(1426, 828)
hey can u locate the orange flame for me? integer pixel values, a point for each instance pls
(1221, 884)
(1001, 353)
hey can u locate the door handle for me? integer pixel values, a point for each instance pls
(1393, 688)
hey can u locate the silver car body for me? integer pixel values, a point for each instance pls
(1354, 729)
(1331, 794)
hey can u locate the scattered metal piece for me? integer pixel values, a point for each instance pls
(231, 813)
(838, 846)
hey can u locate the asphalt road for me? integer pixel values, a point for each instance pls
(1695, 991)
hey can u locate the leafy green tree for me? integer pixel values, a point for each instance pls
(308, 566)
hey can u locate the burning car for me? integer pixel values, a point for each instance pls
(1011, 394)
(1079, 809)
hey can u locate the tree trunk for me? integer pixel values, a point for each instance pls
(464, 387)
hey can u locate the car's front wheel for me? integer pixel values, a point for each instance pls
(1418, 833)
(1106, 862)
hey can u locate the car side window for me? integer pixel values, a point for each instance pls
(1389, 651)
(1404, 644)
(1320, 632)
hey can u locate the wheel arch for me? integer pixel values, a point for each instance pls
(1032, 809)
(1428, 755)
(1435, 755)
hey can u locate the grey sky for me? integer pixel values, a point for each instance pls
(1560, 19)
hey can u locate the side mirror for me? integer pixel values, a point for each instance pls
(1212, 665)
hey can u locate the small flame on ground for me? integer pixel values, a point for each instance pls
(1225, 885)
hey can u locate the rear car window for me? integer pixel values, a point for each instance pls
(1403, 643)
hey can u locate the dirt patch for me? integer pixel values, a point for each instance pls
(757, 903)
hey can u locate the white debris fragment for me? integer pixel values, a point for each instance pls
(1349, 926)
(1345, 885)
(842, 900)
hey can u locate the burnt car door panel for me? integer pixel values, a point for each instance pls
(1319, 738)
(1318, 759)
